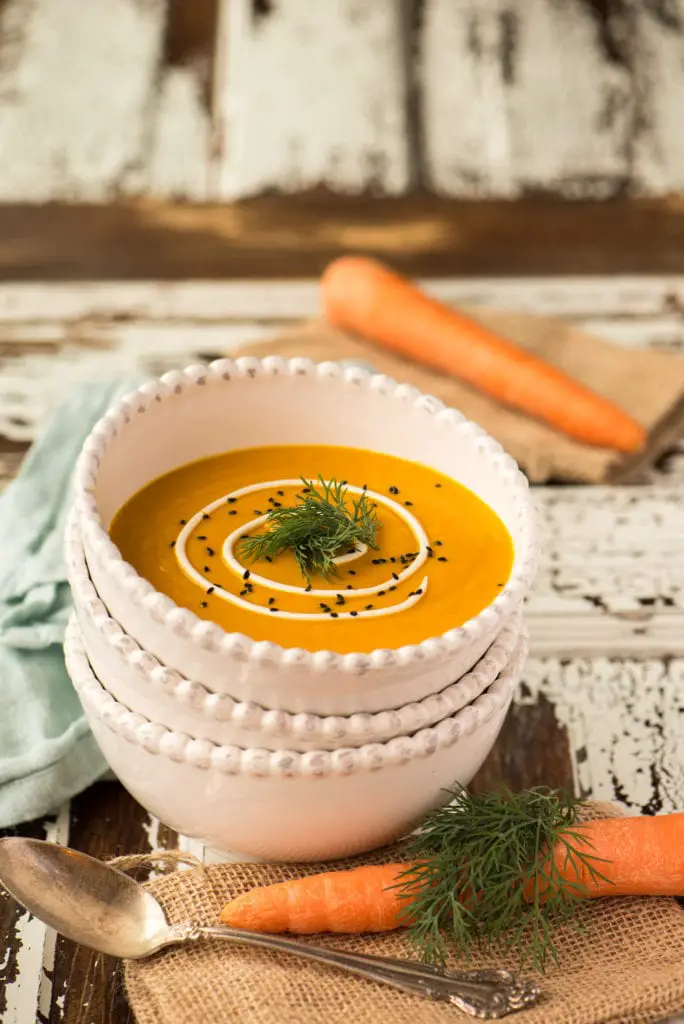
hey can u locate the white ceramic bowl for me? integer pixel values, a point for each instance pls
(142, 683)
(283, 805)
(207, 409)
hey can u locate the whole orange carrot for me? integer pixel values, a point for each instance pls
(641, 856)
(363, 296)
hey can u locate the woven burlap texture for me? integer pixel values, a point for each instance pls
(627, 966)
(648, 384)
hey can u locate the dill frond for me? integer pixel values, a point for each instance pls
(325, 523)
(485, 875)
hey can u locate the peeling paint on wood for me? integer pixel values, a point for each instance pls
(76, 82)
(178, 162)
(311, 94)
(658, 47)
(625, 722)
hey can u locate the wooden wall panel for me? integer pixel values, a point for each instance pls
(310, 94)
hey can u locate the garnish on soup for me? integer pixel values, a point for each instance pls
(317, 547)
(326, 523)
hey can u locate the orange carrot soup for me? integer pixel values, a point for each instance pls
(318, 547)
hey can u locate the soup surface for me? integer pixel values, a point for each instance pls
(441, 555)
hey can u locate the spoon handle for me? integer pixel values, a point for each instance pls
(486, 995)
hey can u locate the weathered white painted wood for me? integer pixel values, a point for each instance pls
(464, 102)
(625, 724)
(28, 998)
(571, 107)
(76, 79)
(658, 48)
(577, 298)
(520, 97)
(178, 163)
(611, 575)
(311, 94)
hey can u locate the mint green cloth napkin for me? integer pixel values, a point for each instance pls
(47, 752)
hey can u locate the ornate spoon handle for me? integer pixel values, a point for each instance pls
(486, 995)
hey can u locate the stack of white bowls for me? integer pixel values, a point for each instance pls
(255, 749)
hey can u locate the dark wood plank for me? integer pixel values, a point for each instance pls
(292, 237)
(87, 987)
(532, 750)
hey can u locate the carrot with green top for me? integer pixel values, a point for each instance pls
(366, 297)
(466, 878)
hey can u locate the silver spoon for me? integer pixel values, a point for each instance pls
(97, 906)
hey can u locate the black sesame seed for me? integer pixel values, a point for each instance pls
(280, 493)
(183, 522)
(352, 572)
(207, 569)
(430, 552)
(368, 607)
(211, 552)
(381, 593)
(442, 559)
(379, 561)
(353, 614)
(231, 501)
(333, 615)
(438, 485)
(307, 588)
(394, 490)
(249, 588)
(408, 502)
(232, 512)
(243, 593)
(501, 584)
(392, 588)
(201, 536)
(349, 586)
(339, 599)
(211, 590)
(257, 512)
(364, 487)
(271, 500)
(394, 576)
(419, 591)
(271, 600)
(246, 574)
(392, 559)
(274, 609)
(204, 604)
(244, 536)
(205, 516)
(411, 593)
(172, 544)
(343, 482)
(438, 543)
(268, 558)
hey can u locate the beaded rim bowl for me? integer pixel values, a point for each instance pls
(253, 761)
(141, 681)
(195, 413)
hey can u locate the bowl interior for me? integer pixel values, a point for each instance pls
(287, 408)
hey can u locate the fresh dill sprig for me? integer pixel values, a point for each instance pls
(485, 876)
(324, 524)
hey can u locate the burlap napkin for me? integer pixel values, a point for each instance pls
(649, 385)
(627, 967)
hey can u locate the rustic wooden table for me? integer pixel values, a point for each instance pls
(601, 705)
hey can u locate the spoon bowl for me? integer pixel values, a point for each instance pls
(83, 898)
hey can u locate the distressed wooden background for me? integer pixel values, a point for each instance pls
(224, 99)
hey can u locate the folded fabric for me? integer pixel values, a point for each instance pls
(47, 753)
